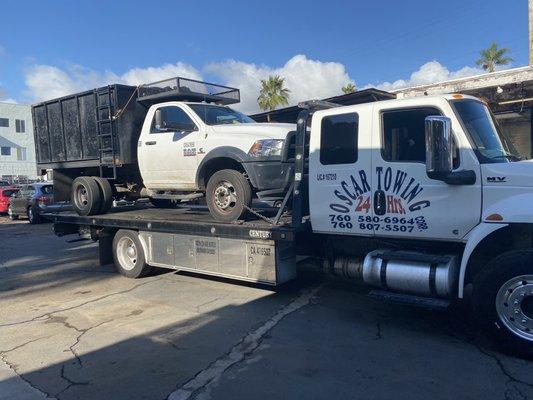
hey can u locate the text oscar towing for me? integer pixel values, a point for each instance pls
(172, 141)
(399, 194)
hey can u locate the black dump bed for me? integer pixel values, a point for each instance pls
(101, 127)
(91, 128)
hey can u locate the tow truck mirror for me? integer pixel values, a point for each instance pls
(439, 147)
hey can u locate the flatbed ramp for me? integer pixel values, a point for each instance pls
(189, 239)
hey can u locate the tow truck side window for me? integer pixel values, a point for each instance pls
(404, 137)
(404, 134)
(338, 139)
(172, 115)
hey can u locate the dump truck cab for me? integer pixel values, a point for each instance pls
(182, 144)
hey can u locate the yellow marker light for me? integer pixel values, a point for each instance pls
(494, 217)
(457, 96)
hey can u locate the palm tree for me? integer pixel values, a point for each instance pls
(492, 57)
(272, 93)
(349, 88)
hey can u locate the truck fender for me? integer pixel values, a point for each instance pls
(226, 152)
(512, 209)
(474, 237)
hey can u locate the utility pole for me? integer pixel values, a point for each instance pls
(530, 6)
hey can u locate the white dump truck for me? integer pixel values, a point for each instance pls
(423, 199)
(172, 141)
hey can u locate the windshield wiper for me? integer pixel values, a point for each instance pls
(512, 157)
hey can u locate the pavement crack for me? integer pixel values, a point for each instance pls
(82, 332)
(22, 345)
(13, 367)
(70, 382)
(244, 348)
(378, 331)
(48, 315)
(205, 304)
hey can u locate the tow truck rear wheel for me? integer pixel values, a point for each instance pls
(228, 195)
(503, 300)
(86, 198)
(128, 254)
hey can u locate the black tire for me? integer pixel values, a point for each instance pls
(499, 305)
(85, 196)
(33, 215)
(131, 264)
(164, 203)
(12, 217)
(106, 191)
(228, 194)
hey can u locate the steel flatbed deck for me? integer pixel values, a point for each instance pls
(186, 220)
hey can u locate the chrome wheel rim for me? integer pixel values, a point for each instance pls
(225, 196)
(127, 253)
(514, 305)
(81, 197)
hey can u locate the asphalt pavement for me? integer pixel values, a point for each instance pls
(71, 329)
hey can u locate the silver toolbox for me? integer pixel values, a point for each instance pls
(264, 261)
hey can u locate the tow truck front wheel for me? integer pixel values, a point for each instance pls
(503, 300)
(228, 195)
(128, 254)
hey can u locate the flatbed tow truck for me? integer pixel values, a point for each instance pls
(421, 198)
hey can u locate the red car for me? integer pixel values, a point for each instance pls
(5, 194)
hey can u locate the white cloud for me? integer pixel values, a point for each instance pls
(306, 79)
(9, 100)
(430, 72)
(47, 82)
(2, 50)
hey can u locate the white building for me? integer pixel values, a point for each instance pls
(17, 148)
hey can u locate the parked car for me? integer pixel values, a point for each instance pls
(32, 201)
(4, 183)
(5, 194)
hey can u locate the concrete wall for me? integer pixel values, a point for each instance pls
(12, 164)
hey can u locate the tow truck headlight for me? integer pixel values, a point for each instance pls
(266, 147)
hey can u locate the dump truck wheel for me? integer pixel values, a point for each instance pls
(86, 198)
(228, 194)
(107, 194)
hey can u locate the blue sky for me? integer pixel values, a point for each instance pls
(52, 47)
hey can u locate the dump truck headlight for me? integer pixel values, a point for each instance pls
(266, 147)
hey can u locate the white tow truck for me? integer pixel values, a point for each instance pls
(423, 199)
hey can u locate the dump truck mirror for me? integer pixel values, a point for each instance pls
(158, 119)
(439, 147)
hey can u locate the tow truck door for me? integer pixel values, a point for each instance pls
(339, 164)
(168, 159)
(407, 203)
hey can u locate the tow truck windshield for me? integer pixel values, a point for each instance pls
(490, 144)
(219, 115)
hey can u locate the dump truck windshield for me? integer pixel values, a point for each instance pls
(219, 115)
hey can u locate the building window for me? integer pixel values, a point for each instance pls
(20, 125)
(338, 139)
(5, 151)
(21, 154)
(4, 122)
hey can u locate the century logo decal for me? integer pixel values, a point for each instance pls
(399, 192)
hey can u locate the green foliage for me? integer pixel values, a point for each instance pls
(492, 57)
(349, 88)
(272, 93)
